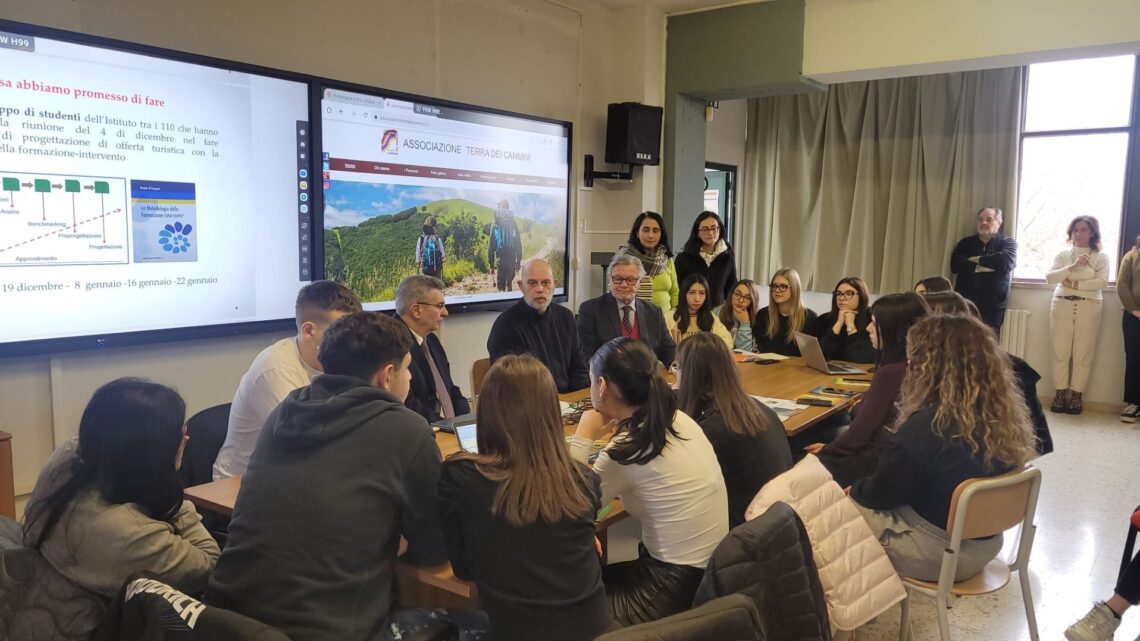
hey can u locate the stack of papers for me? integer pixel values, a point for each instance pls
(782, 407)
(743, 356)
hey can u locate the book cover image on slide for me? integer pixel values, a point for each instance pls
(164, 222)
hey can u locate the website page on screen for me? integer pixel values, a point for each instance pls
(140, 193)
(416, 188)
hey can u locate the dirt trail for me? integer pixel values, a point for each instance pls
(485, 283)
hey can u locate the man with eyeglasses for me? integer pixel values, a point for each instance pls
(984, 264)
(433, 395)
(547, 332)
(621, 313)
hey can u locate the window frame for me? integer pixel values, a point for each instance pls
(1130, 199)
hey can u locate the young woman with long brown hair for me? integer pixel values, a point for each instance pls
(694, 314)
(748, 437)
(962, 418)
(665, 471)
(843, 331)
(519, 514)
(786, 314)
(855, 453)
(738, 314)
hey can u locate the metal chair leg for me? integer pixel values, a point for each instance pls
(943, 618)
(1027, 597)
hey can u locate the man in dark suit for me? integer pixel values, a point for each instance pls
(621, 313)
(419, 304)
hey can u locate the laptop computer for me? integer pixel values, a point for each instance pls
(467, 433)
(449, 424)
(813, 357)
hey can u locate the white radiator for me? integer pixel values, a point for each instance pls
(1014, 331)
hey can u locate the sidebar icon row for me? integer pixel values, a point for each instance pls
(304, 211)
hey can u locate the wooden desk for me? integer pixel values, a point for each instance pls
(7, 478)
(787, 380)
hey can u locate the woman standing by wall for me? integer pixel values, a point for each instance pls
(1128, 289)
(1080, 273)
(707, 253)
(649, 242)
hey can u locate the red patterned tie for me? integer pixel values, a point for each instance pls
(626, 326)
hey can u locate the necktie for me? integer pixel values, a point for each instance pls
(626, 326)
(441, 391)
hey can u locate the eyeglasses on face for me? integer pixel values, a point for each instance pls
(439, 306)
(709, 230)
(845, 295)
(779, 287)
(624, 280)
(743, 295)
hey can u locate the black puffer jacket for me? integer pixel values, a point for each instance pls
(769, 559)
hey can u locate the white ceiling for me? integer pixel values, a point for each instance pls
(675, 6)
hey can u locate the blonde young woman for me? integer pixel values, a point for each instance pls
(962, 417)
(738, 314)
(1080, 273)
(776, 325)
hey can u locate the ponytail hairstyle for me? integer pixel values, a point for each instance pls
(630, 370)
(129, 438)
(704, 314)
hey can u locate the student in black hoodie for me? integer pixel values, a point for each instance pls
(843, 331)
(519, 514)
(340, 472)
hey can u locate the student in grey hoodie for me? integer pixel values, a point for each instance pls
(340, 472)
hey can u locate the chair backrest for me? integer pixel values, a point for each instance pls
(729, 618)
(478, 373)
(207, 431)
(987, 506)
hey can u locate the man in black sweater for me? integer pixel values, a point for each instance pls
(547, 332)
(984, 264)
(341, 470)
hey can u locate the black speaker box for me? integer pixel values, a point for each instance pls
(633, 134)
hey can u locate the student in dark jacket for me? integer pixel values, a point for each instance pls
(747, 436)
(855, 453)
(777, 324)
(707, 253)
(1026, 376)
(843, 331)
(963, 419)
(341, 471)
(519, 514)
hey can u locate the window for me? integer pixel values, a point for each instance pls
(1074, 155)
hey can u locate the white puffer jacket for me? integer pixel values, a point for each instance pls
(858, 579)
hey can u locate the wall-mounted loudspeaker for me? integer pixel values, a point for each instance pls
(633, 134)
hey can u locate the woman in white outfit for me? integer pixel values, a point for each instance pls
(1080, 273)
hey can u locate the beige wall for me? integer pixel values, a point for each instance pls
(563, 59)
(862, 39)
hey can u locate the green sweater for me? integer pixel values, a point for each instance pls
(665, 288)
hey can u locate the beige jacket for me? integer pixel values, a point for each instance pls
(97, 545)
(1128, 281)
(858, 579)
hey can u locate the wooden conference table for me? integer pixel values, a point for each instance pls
(438, 586)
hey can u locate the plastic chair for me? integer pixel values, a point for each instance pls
(478, 372)
(983, 507)
(207, 431)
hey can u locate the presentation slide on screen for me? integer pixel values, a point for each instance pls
(138, 193)
(416, 188)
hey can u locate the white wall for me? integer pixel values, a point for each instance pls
(847, 40)
(566, 59)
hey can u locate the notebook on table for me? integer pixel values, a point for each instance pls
(813, 357)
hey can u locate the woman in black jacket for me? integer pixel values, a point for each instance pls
(707, 253)
(519, 515)
(843, 331)
(747, 436)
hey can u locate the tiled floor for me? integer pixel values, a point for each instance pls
(1091, 484)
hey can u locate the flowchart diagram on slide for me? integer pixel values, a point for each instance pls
(52, 219)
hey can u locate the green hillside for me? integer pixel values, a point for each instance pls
(371, 258)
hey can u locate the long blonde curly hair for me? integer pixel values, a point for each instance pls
(957, 367)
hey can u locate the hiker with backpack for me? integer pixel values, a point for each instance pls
(429, 252)
(504, 250)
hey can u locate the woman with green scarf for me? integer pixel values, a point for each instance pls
(649, 242)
